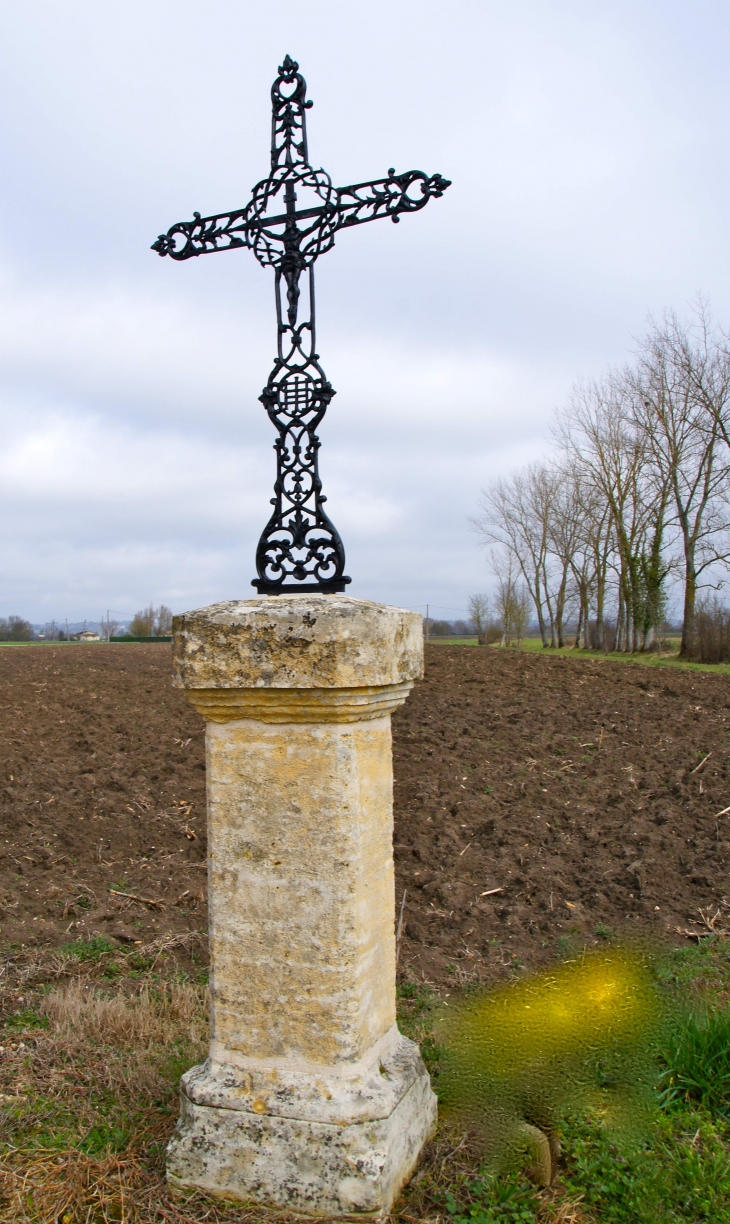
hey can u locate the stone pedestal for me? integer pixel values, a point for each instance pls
(310, 1098)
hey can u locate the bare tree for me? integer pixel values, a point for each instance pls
(590, 561)
(479, 612)
(151, 622)
(482, 617)
(640, 486)
(109, 627)
(565, 536)
(512, 601)
(520, 608)
(163, 622)
(516, 514)
(600, 433)
(682, 390)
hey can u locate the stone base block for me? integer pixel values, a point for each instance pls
(315, 1144)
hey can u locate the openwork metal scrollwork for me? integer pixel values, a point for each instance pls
(299, 549)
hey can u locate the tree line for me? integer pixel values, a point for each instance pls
(636, 495)
(148, 622)
(151, 622)
(15, 629)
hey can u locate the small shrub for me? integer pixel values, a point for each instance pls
(711, 642)
(566, 945)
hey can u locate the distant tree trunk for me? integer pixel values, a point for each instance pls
(586, 606)
(619, 643)
(584, 612)
(579, 628)
(560, 607)
(688, 619)
(537, 600)
(551, 615)
(600, 642)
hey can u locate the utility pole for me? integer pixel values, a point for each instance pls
(428, 623)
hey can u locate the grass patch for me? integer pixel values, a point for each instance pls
(669, 658)
(88, 1100)
(698, 1063)
(88, 949)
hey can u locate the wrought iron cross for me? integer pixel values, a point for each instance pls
(300, 548)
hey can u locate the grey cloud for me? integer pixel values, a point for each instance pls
(585, 146)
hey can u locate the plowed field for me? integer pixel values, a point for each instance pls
(540, 804)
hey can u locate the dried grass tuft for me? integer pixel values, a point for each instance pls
(48, 1187)
(565, 1212)
(78, 1013)
(70, 1188)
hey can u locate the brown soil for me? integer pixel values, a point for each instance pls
(569, 785)
(103, 786)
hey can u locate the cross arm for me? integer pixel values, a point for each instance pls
(203, 235)
(388, 197)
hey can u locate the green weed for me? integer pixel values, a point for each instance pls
(697, 1058)
(88, 949)
(509, 1200)
(566, 946)
(103, 1138)
(27, 1019)
(681, 1172)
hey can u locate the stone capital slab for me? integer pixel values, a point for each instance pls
(297, 642)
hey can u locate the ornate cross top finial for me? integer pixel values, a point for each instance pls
(287, 116)
(290, 220)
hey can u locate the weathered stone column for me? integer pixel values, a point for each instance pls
(310, 1098)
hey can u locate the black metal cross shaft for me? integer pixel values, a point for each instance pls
(300, 549)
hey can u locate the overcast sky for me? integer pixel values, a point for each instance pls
(587, 144)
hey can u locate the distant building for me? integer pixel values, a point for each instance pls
(86, 635)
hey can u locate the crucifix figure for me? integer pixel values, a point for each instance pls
(300, 549)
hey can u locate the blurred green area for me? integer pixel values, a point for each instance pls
(518, 1060)
(623, 1057)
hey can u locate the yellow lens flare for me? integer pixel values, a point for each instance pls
(535, 1038)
